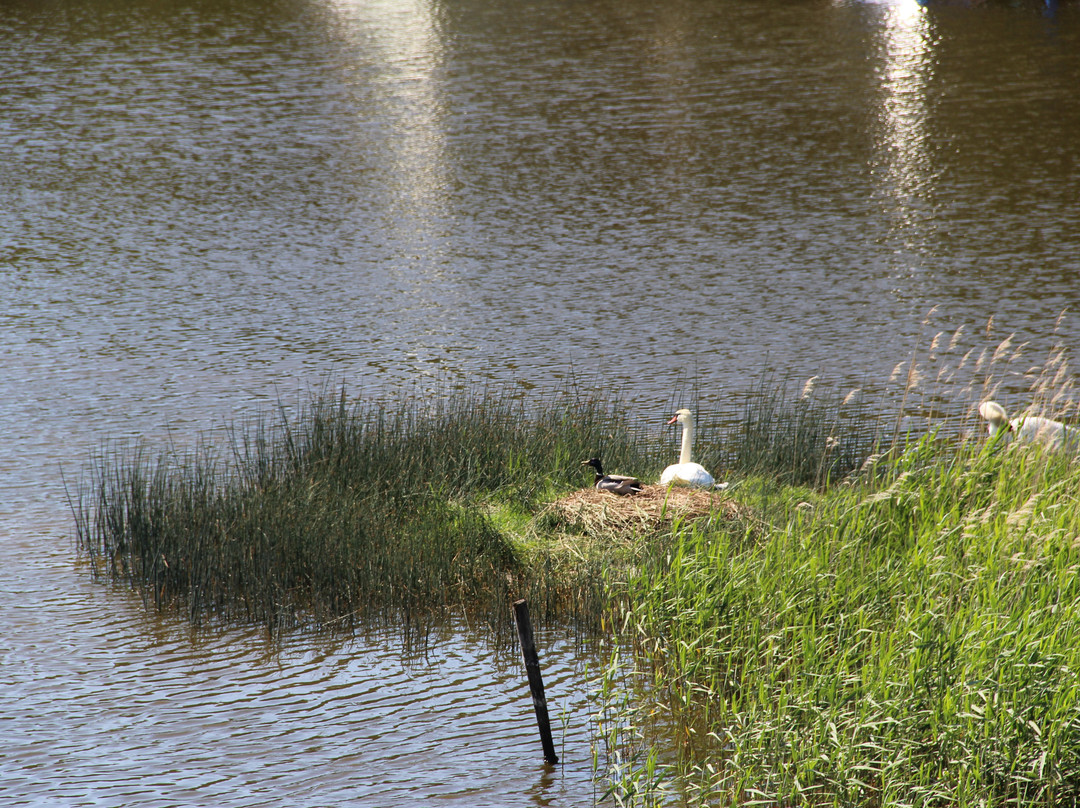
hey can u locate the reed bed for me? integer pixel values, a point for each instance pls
(882, 609)
(916, 644)
(347, 511)
(907, 635)
(352, 510)
(809, 438)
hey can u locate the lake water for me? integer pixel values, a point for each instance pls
(208, 206)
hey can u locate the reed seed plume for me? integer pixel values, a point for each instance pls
(956, 337)
(915, 377)
(1003, 348)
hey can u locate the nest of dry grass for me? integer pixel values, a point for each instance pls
(591, 540)
(655, 508)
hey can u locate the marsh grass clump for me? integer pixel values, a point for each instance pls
(952, 372)
(910, 639)
(346, 511)
(902, 629)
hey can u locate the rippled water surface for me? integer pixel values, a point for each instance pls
(206, 206)
(121, 711)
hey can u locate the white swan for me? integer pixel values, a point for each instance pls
(1030, 428)
(684, 472)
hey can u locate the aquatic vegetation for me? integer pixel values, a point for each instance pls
(347, 511)
(351, 511)
(809, 439)
(907, 635)
(882, 609)
(908, 643)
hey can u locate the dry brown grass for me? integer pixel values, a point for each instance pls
(589, 541)
(602, 514)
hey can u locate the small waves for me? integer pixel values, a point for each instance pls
(107, 706)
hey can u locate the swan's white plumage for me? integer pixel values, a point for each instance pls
(693, 474)
(685, 472)
(1030, 428)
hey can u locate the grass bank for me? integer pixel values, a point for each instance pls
(864, 619)
(363, 510)
(911, 638)
(908, 634)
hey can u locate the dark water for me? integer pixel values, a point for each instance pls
(206, 206)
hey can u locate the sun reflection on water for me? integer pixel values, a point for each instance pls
(904, 142)
(398, 44)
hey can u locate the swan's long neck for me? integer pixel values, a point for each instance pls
(687, 441)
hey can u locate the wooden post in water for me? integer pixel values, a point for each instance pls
(536, 681)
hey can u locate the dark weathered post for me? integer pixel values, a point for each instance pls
(536, 681)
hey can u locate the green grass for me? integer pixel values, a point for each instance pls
(351, 510)
(807, 439)
(368, 510)
(912, 640)
(898, 632)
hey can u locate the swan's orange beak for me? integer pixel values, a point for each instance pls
(674, 418)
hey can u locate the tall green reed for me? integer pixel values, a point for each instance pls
(908, 641)
(347, 510)
(906, 635)
(807, 439)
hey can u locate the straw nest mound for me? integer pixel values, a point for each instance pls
(655, 508)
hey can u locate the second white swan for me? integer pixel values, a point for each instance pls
(1030, 428)
(685, 472)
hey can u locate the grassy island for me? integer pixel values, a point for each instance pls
(860, 619)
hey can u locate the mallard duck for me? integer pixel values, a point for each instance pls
(684, 472)
(1030, 428)
(613, 483)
